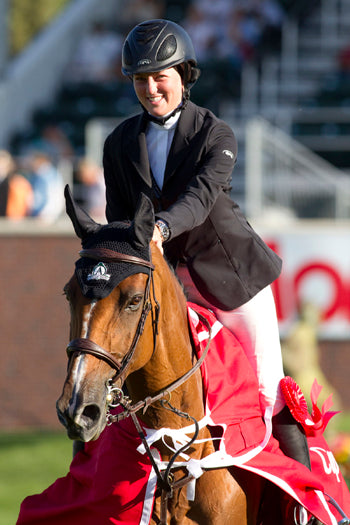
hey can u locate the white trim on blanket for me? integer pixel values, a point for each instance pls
(217, 459)
(149, 495)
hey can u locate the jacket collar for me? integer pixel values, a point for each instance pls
(136, 149)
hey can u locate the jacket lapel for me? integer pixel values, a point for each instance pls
(137, 153)
(185, 130)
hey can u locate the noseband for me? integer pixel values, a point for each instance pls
(86, 346)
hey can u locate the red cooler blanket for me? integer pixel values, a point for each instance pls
(113, 482)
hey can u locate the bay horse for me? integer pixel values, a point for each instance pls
(131, 329)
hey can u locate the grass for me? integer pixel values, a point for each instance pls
(29, 463)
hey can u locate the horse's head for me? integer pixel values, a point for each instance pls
(109, 297)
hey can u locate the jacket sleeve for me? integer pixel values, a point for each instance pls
(210, 177)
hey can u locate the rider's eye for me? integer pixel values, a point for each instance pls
(135, 302)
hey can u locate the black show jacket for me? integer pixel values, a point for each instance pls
(228, 262)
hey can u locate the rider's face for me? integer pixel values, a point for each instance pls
(160, 93)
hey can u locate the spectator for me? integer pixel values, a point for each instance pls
(53, 142)
(132, 12)
(217, 12)
(16, 194)
(47, 184)
(202, 31)
(236, 30)
(270, 16)
(90, 188)
(97, 58)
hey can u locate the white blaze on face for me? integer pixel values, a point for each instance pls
(86, 320)
(79, 364)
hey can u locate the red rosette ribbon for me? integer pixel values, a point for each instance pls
(315, 423)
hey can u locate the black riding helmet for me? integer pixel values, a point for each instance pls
(156, 45)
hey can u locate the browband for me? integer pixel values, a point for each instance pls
(105, 255)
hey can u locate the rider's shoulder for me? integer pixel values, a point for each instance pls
(206, 118)
(125, 127)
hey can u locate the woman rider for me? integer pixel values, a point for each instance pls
(182, 157)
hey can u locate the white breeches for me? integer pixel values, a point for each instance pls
(255, 326)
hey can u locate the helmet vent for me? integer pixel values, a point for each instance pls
(167, 48)
(147, 32)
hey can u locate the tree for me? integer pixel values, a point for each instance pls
(27, 18)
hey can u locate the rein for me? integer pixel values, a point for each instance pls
(166, 481)
(145, 403)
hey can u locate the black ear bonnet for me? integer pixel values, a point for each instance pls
(97, 279)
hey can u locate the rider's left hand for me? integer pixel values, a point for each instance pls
(157, 239)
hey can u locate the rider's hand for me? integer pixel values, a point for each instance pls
(158, 239)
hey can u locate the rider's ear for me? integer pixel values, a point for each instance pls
(143, 224)
(83, 224)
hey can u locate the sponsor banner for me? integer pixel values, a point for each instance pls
(316, 269)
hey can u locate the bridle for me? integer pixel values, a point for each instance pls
(86, 346)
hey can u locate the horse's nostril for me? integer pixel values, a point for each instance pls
(91, 412)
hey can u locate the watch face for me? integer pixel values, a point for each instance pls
(164, 230)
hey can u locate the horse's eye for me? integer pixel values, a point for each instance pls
(135, 302)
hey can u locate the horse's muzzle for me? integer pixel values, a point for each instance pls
(84, 423)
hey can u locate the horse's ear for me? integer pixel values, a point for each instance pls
(83, 224)
(143, 223)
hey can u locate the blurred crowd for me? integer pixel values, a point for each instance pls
(32, 190)
(34, 187)
(236, 30)
(225, 34)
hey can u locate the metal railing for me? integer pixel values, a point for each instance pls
(279, 78)
(283, 175)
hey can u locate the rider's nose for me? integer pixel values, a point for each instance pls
(151, 85)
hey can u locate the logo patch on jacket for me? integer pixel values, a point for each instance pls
(228, 153)
(99, 273)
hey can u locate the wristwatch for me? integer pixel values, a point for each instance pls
(164, 229)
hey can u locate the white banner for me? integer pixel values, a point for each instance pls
(316, 269)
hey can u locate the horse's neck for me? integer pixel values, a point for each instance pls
(174, 347)
(173, 356)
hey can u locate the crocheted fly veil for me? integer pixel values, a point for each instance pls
(97, 278)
